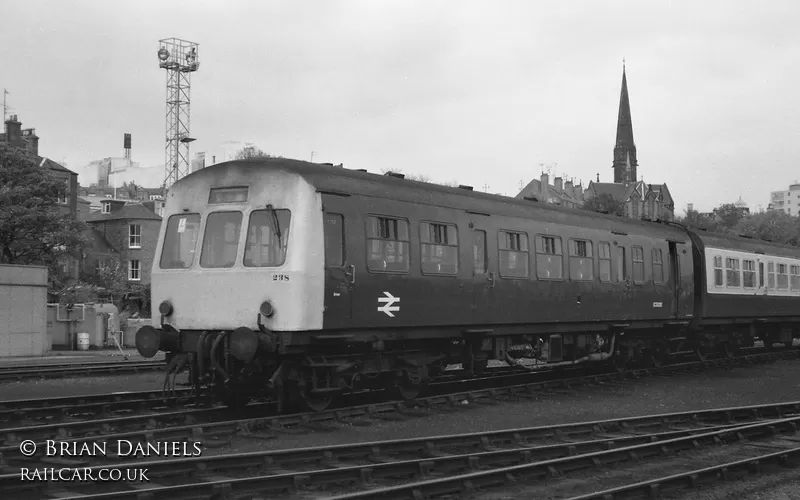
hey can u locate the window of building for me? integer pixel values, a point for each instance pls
(748, 274)
(771, 278)
(221, 239)
(732, 274)
(334, 240)
(514, 254)
(387, 245)
(637, 255)
(760, 274)
(63, 196)
(267, 238)
(134, 236)
(180, 240)
(658, 266)
(783, 277)
(479, 257)
(134, 270)
(622, 265)
(795, 277)
(438, 248)
(105, 208)
(604, 256)
(549, 258)
(581, 261)
(718, 271)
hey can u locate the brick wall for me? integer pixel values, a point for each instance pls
(116, 233)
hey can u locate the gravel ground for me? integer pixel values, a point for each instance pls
(712, 389)
(64, 357)
(715, 388)
(79, 386)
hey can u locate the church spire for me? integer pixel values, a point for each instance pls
(624, 149)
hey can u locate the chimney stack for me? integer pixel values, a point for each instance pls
(545, 181)
(31, 140)
(557, 183)
(13, 131)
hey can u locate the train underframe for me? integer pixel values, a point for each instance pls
(237, 366)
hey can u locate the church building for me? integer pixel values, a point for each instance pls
(641, 200)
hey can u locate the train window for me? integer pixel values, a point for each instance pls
(604, 254)
(771, 278)
(479, 260)
(795, 277)
(581, 261)
(622, 265)
(387, 245)
(439, 248)
(783, 278)
(334, 240)
(748, 274)
(267, 237)
(549, 260)
(732, 275)
(221, 239)
(514, 254)
(658, 266)
(637, 255)
(761, 275)
(180, 241)
(236, 194)
(718, 270)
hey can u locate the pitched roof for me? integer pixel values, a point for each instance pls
(52, 165)
(129, 211)
(615, 190)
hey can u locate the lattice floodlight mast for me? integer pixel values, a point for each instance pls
(180, 59)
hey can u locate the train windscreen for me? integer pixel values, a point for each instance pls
(267, 237)
(180, 241)
(221, 239)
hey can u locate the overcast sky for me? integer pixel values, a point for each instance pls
(480, 92)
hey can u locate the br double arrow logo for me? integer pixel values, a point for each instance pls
(388, 308)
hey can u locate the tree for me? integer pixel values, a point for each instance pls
(253, 152)
(420, 178)
(111, 282)
(771, 226)
(696, 220)
(131, 188)
(728, 215)
(605, 203)
(32, 229)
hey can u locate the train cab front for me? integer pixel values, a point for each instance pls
(231, 277)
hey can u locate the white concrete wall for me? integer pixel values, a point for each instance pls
(23, 306)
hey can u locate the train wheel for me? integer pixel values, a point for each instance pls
(728, 350)
(313, 402)
(659, 355)
(701, 351)
(620, 361)
(406, 389)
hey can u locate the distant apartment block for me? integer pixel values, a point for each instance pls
(786, 201)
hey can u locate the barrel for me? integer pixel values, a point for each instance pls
(83, 341)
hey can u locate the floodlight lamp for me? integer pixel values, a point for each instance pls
(163, 54)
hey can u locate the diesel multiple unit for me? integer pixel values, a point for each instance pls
(305, 280)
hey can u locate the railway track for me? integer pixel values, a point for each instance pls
(433, 466)
(48, 371)
(218, 426)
